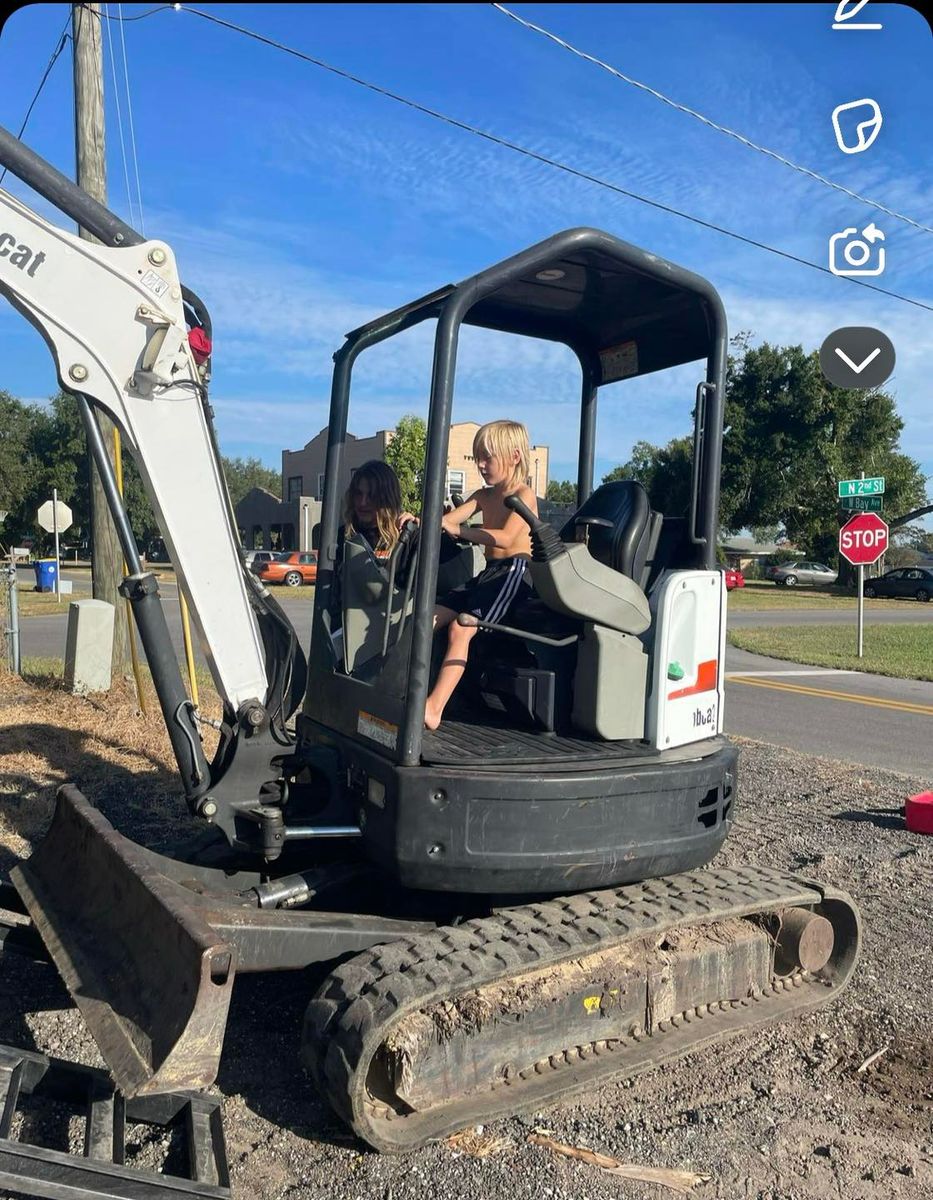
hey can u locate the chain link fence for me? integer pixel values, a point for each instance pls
(9, 615)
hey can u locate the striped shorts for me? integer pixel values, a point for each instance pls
(494, 591)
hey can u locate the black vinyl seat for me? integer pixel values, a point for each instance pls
(618, 527)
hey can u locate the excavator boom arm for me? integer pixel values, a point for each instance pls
(113, 318)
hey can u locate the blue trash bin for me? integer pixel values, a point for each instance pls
(46, 573)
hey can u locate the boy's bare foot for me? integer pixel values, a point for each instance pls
(432, 718)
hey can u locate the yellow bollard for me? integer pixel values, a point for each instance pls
(131, 626)
(189, 654)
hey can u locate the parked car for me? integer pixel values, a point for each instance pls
(792, 573)
(734, 578)
(256, 557)
(914, 582)
(293, 568)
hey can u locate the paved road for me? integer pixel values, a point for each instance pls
(847, 715)
(850, 716)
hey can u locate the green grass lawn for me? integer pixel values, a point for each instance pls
(758, 595)
(42, 604)
(904, 651)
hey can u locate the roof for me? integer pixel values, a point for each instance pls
(748, 545)
(631, 310)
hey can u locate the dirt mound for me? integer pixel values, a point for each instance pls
(837, 1104)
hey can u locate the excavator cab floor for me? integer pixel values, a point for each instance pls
(101, 1171)
(490, 743)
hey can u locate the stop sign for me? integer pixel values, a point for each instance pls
(864, 539)
(53, 512)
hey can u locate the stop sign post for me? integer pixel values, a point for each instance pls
(862, 540)
(55, 517)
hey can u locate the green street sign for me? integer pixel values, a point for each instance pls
(862, 503)
(861, 487)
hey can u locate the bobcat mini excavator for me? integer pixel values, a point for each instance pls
(517, 906)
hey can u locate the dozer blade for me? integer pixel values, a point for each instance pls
(151, 977)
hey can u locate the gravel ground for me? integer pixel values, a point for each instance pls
(784, 1114)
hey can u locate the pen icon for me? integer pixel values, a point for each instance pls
(848, 9)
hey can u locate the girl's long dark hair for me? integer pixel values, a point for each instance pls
(386, 496)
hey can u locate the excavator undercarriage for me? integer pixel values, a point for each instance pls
(430, 1028)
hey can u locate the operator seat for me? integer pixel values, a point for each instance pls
(607, 611)
(618, 527)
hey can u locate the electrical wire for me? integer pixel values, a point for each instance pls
(541, 158)
(62, 42)
(139, 17)
(129, 110)
(598, 62)
(116, 97)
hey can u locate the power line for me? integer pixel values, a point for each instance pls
(129, 110)
(707, 121)
(62, 42)
(139, 16)
(116, 97)
(541, 158)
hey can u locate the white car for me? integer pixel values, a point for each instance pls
(255, 557)
(790, 574)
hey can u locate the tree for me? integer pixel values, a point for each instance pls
(664, 472)
(405, 453)
(564, 492)
(792, 435)
(243, 474)
(15, 423)
(52, 450)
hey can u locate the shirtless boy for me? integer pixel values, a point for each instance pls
(500, 450)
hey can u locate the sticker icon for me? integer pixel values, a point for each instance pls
(854, 254)
(847, 10)
(867, 119)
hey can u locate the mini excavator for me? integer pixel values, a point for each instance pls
(517, 906)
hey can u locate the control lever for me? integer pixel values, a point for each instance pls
(406, 533)
(546, 544)
(469, 621)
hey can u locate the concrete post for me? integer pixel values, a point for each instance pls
(89, 646)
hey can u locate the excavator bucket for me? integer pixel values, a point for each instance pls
(151, 977)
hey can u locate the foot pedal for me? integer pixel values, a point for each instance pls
(30, 1170)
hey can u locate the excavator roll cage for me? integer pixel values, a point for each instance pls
(624, 313)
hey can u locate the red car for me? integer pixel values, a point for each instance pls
(293, 568)
(734, 578)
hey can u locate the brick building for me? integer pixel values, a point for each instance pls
(293, 522)
(303, 470)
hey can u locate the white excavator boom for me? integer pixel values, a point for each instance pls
(114, 321)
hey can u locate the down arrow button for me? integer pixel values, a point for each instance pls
(857, 356)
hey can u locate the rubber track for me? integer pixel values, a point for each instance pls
(360, 1001)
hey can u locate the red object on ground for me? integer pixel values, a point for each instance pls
(200, 345)
(920, 813)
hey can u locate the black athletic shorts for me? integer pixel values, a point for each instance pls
(494, 591)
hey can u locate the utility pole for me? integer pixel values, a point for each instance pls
(91, 174)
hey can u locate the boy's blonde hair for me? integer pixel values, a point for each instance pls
(500, 439)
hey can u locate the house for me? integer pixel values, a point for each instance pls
(745, 553)
(268, 523)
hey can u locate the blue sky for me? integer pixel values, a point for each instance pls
(301, 205)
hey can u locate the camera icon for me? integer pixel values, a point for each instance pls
(851, 253)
